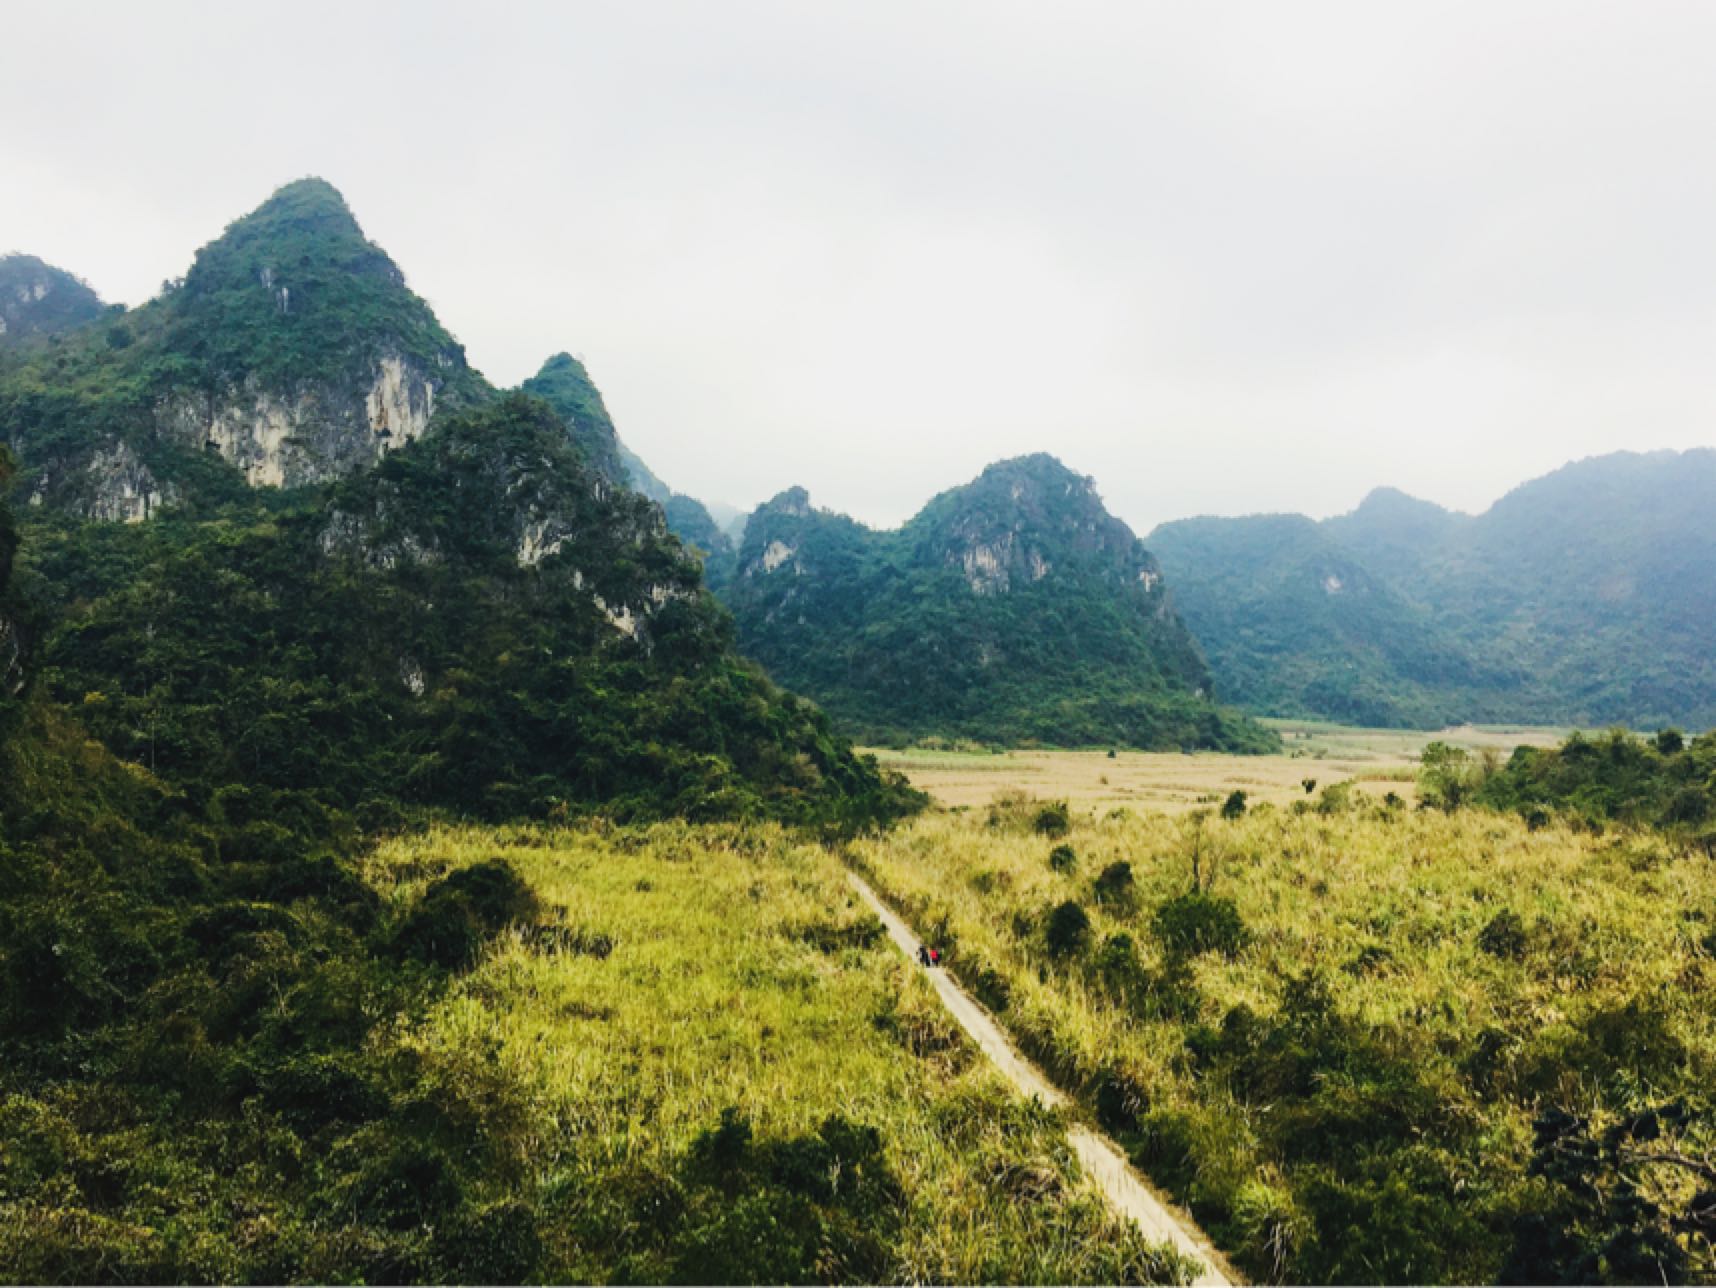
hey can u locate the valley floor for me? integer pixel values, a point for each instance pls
(1376, 761)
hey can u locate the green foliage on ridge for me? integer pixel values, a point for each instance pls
(1587, 597)
(564, 384)
(474, 625)
(291, 302)
(1295, 625)
(39, 300)
(1012, 610)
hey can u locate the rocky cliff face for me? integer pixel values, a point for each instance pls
(292, 353)
(309, 434)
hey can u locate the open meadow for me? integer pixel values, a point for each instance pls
(1376, 761)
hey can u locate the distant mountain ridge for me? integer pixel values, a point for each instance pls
(37, 299)
(1014, 608)
(1587, 596)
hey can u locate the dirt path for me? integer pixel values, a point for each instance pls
(1099, 1156)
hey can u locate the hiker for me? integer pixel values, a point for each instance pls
(923, 955)
(935, 957)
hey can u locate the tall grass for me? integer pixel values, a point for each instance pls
(1345, 1089)
(679, 973)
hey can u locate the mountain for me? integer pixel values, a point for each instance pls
(291, 353)
(688, 517)
(368, 581)
(37, 299)
(1587, 596)
(1295, 625)
(1013, 608)
(1394, 532)
(567, 386)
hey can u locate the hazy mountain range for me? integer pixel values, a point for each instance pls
(292, 356)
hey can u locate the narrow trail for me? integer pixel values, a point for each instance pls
(1099, 1156)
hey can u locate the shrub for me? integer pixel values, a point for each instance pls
(1068, 930)
(1234, 806)
(498, 1244)
(1117, 966)
(1114, 884)
(457, 914)
(1199, 923)
(1121, 1100)
(1063, 859)
(1504, 936)
(1053, 819)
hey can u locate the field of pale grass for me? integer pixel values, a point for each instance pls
(1376, 761)
(682, 972)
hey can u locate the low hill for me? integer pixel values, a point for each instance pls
(1013, 608)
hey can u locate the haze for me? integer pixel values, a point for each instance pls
(1223, 258)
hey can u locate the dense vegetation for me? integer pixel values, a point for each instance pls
(1584, 597)
(483, 1056)
(37, 300)
(564, 385)
(567, 387)
(1294, 625)
(1666, 782)
(1012, 610)
(1363, 1043)
(474, 626)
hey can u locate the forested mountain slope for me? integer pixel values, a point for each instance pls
(1013, 608)
(368, 582)
(1294, 624)
(38, 300)
(1587, 596)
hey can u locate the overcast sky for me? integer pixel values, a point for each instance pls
(1223, 257)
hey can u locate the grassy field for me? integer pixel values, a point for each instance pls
(1378, 761)
(1335, 1049)
(696, 1046)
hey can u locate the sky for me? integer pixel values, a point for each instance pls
(1223, 257)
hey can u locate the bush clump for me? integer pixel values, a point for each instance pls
(1114, 884)
(1068, 929)
(1504, 936)
(1053, 819)
(1196, 923)
(458, 914)
(1063, 859)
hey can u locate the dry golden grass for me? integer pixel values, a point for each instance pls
(740, 972)
(1376, 761)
